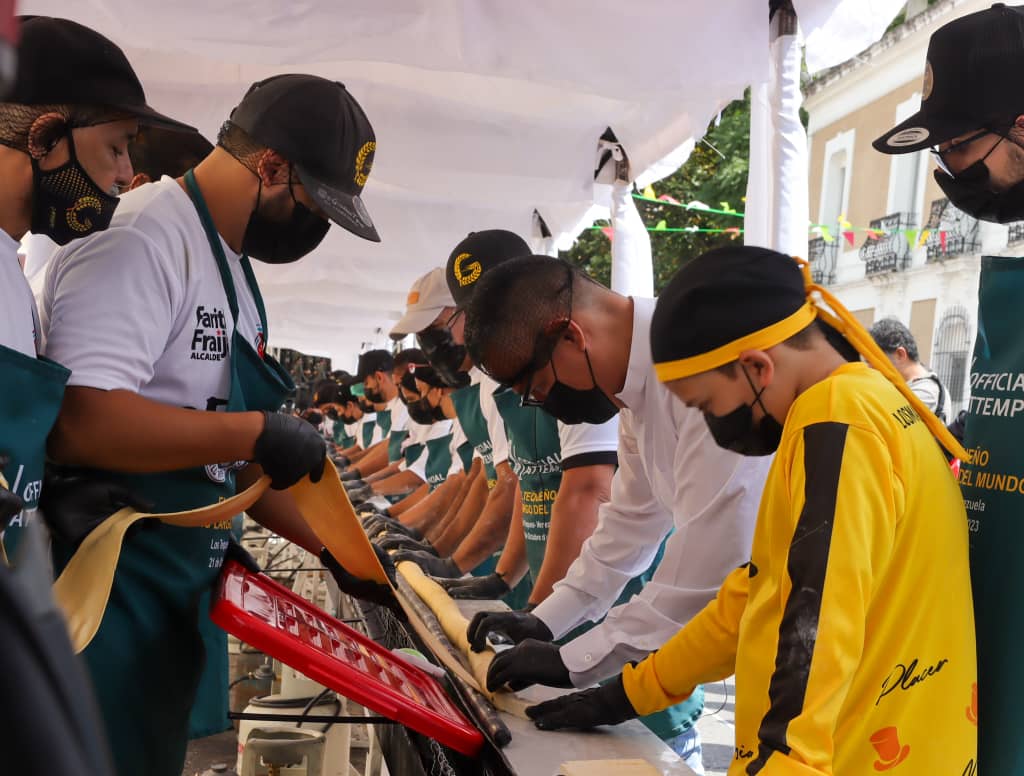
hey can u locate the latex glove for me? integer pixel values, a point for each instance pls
(351, 474)
(353, 484)
(431, 564)
(73, 503)
(392, 541)
(288, 449)
(240, 555)
(530, 662)
(518, 626)
(341, 461)
(604, 705)
(396, 528)
(490, 587)
(364, 589)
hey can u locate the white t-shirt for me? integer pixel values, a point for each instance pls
(141, 306)
(581, 439)
(420, 434)
(399, 415)
(495, 423)
(19, 321)
(371, 418)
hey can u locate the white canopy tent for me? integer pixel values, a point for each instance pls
(484, 111)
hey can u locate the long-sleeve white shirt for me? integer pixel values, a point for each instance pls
(671, 474)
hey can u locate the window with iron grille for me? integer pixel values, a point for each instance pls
(1016, 235)
(952, 232)
(822, 257)
(952, 354)
(888, 250)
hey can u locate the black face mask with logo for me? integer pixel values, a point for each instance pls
(282, 242)
(738, 432)
(67, 203)
(573, 405)
(971, 191)
(445, 356)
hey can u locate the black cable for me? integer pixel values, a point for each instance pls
(313, 702)
(725, 690)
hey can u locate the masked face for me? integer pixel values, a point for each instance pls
(445, 355)
(372, 390)
(975, 190)
(421, 412)
(573, 405)
(737, 430)
(67, 203)
(281, 241)
(366, 406)
(332, 413)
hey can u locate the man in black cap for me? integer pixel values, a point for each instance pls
(859, 557)
(972, 118)
(173, 393)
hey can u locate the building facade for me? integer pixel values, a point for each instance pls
(887, 242)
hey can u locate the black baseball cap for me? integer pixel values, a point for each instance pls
(321, 129)
(477, 253)
(971, 81)
(374, 361)
(61, 62)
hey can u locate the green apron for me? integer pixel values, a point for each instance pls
(148, 657)
(32, 389)
(474, 426)
(341, 437)
(439, 460)
(384, 422)
(993, 490)
(368, 433)
(465, 451)
(395, 441)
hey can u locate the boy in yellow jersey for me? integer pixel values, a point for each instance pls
(851, 630)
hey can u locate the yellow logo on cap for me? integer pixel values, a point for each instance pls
(413, 298)
(472, 272)
(364, 162)
(929, 81)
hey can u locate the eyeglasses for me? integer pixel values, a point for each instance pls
(940, 154)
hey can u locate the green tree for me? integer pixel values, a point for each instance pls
(716, 172)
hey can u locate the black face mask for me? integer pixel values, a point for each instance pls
(737, 431)
(366, 407)
(66, 203)
(332, 413)
(445, 356)
(421, 412)
(376, 397)
(970, 191)
(282, 242)
(573, 406)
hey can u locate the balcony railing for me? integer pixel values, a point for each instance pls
(822, 257)
(953, 232)
(890, 250)
(1016, 236)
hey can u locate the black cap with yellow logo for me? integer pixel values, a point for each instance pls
(319, 127)
(477, 253)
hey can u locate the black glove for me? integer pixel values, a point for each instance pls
(396, 528)
(352, 483)
(73, 504)
(288, 449)
(10, 506)
(490, 587)
(530, 662)
(431, 564)
(241, 556)
(351, 474)
(341, 461)
(360, 494)
(518, 626)
(364, 589)
(604, 705)
(394, 541)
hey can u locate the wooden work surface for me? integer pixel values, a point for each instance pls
(535, 752)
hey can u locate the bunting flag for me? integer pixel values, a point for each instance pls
(844, 224)
(911, 235)
(696, 204)
(649, 192)
(607, 231)
(826, 235)
(942, 240)
(849, 237)
(734, 232)
(670, 200)
(726, 208)
(923, 238)
(661, 226)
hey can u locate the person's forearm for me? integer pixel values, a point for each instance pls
(466, 486)
(426, 513)
(277, 511)
(376, 458)
(459, 522)
(489, 531)
(388, 471)
(407, 503)
(573, 520)
(122, 431)
(398, 484)
(513, 565)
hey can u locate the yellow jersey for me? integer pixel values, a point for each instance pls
(851, 630)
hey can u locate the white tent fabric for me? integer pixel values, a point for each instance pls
(632, 265)
(484, 112)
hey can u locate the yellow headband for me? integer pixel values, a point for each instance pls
(842, 321)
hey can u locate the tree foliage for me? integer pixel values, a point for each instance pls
(715, 173)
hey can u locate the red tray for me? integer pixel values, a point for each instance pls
(285, 626)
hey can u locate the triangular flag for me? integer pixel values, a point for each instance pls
(696, 204)
(649, 192)
(849, 237)
(923, 238)
(670, 200)
(726, 207)
(942, 239)
(607, 231)
(844, 224)
(733, 232)
(911, 235)
(826, 235)
(661, 227)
